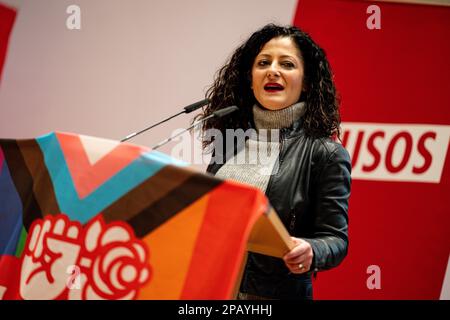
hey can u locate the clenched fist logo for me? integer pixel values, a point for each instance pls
(112, 263)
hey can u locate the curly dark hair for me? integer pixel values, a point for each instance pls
(232, 86)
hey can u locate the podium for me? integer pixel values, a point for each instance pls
(88, 218)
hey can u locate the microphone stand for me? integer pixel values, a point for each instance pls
(181, 132)
(128, 137)
(187, 109)
(219, 113)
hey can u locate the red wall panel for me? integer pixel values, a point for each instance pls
(396, 75)
(7, 17)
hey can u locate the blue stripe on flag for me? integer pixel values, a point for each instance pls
(118, 185)
(10, 213)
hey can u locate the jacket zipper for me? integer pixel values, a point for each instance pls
(282, 137)
(280, 158)
(283, 134)
(292, 225)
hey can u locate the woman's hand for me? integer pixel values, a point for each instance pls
(299, 259)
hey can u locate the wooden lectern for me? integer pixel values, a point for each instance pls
(269, 237)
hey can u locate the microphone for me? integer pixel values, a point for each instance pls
(195, 105)
(218, 114)
(188, 109)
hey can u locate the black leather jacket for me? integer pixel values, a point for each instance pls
(310, 192)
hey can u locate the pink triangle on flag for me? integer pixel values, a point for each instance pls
(92, 161)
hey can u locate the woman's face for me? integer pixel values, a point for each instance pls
(277, 74)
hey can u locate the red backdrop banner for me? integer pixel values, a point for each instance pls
(395, 110)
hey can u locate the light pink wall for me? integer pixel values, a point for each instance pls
(132, 62)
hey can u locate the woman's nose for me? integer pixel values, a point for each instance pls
(273, 71)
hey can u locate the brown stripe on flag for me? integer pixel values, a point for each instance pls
(176, 200)
(23, 181)
(43, 186)
(150, 191)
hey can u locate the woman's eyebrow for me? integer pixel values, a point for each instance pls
(287, 56)
(269, 56)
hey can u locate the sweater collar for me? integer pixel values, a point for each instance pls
(277, 119)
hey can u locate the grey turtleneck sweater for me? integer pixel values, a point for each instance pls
(255, 163)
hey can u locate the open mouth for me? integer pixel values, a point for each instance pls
(273, 87)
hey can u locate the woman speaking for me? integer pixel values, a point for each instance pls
(281, 81)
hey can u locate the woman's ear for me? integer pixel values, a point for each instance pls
(249, 78)
(304, 92)
(305, 86)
